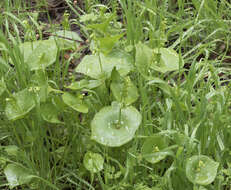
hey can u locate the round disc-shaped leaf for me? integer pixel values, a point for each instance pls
(91, 64)
(39, 54)
(74, 102)
(19, 104)
(169, 60)
(201, 169)
(107, 130)
(153, 149)
(17, 175)
(93, 162)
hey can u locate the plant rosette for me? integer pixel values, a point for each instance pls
(93, 162)
(201, 169)
(155, 149)
(114, 126)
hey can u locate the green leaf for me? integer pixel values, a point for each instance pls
(107, 43)
(102, 27)
(109, 131)
(168, 60)
(66, 39)
(201, 169)
(12, 150)
(144, 56)
(74, 102)
(154, 148)
(85, 84)
(19, 104)
(88, 17)
(93, 162)
(39, 80)
(17, 175)
(39, 54)
(50, 113)
(90, 64)
(123, 89)
(162, 60)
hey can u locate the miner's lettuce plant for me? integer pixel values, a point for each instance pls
(146, 107)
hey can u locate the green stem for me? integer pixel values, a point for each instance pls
(100, 62)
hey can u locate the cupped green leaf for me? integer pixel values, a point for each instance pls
(201, 169)
(17, 175)
(90, 65)
(39, 54)
(74, 102)
(19, 104)
(50, 113)
(93, 162)
(166, 60)
(109, 131)
(154, 148)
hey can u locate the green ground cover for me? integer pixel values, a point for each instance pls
(115, 95)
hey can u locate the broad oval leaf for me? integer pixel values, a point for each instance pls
(154, 148)
(90, 65)
(17, 175)
(168, 60)
(201, 169)
(19, 104)
(107, 130)
(74, 102)
(93, 162)
(39, 54)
